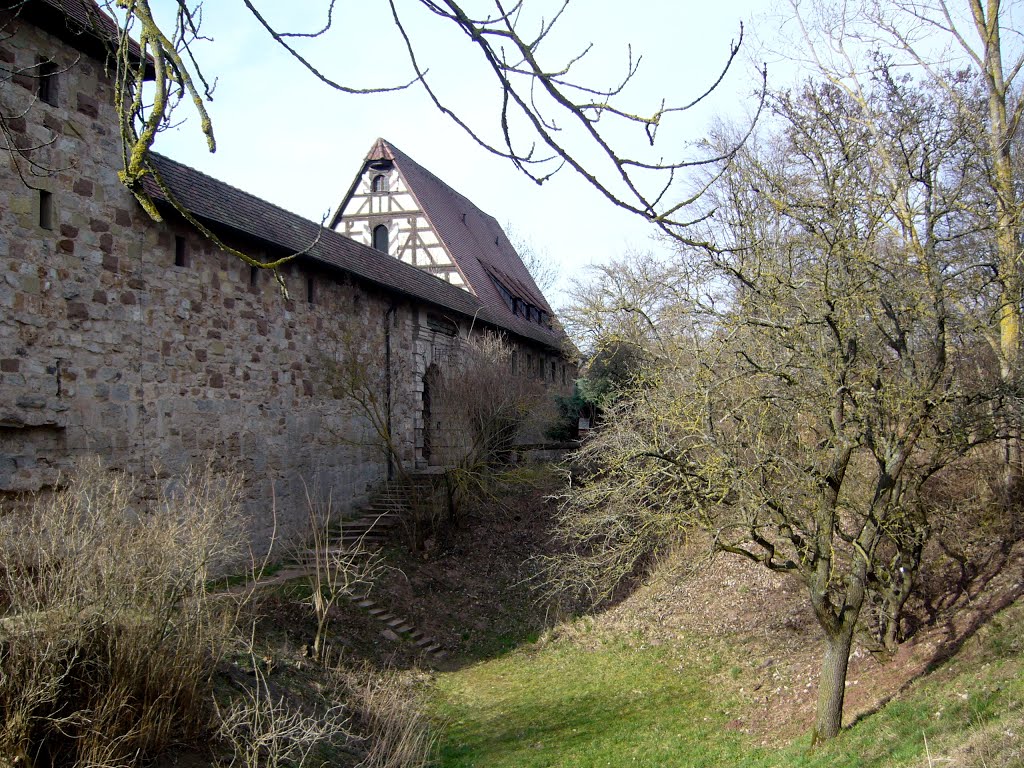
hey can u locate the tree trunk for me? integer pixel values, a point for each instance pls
(832, 683)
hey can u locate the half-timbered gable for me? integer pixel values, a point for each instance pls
(382, 211)
(399, 207)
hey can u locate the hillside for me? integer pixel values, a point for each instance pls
(751, 630)
(708, 662)
(745, 634)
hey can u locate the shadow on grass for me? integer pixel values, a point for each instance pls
(614, 707)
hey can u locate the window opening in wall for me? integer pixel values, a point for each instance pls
(46, 209)
(180, 252)
(563, 373)
(254, 275)
(380, 183)
(46, 87)
(552, 370)
(311, 289)
(380, 238)
(515, 361)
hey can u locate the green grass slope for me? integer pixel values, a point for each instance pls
(601, 698)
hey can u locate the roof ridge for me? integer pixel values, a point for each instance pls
(438, 179)
(239, 190)
(405, 277)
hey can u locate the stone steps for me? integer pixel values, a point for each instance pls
(375, 522)
(400, 628)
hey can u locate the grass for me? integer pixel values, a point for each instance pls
(608, 701)
(562, 704)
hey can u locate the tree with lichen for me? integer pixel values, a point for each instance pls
(821, 380)
(947, 45)
(158, 70)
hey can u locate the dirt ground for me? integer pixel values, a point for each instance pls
(471, 588)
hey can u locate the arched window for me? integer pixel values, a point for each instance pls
(380, 238)
(380, 183)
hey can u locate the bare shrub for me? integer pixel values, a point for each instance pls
(387, 712)
(339, 569)
(489, 412)
(108, 638)
(489, 409)
(265, 731)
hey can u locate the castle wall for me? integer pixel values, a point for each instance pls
(144, 344)
(108, 347)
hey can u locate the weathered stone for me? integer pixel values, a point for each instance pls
(88, 105)
(77, 311)
(163, 365)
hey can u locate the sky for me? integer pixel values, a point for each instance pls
(286, 137)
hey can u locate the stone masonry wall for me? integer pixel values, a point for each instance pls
(142, 343)
(107, 347)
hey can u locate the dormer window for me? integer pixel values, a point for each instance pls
(380, 238)
(380, 184)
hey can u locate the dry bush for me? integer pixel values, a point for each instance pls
(265, 731)
(488, 412)
(489, 408)
(396, 732)
(339, 570)
(108, 638)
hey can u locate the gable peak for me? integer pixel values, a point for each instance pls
(380, 150)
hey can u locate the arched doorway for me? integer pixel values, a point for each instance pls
(431, 438)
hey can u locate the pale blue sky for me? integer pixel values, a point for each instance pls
(286, 137)
(293, 141)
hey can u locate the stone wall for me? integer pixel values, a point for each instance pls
(108, 347)
(142, 343)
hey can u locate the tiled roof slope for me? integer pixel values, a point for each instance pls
(473, 238)
(221, 204)
(81, 23)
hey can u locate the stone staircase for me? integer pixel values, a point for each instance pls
(389, 508)
(399, 628)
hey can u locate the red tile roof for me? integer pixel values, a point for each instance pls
(224, 206)
(473, 238)
(81, 23)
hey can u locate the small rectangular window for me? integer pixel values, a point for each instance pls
(311, 289)
(563, 373)
(180, 252)
(46, 87)
(254, 275)
(46, 216)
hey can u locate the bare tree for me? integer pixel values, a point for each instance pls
(944, 43)
(539, 263)
(548, 119)
(817, 387)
